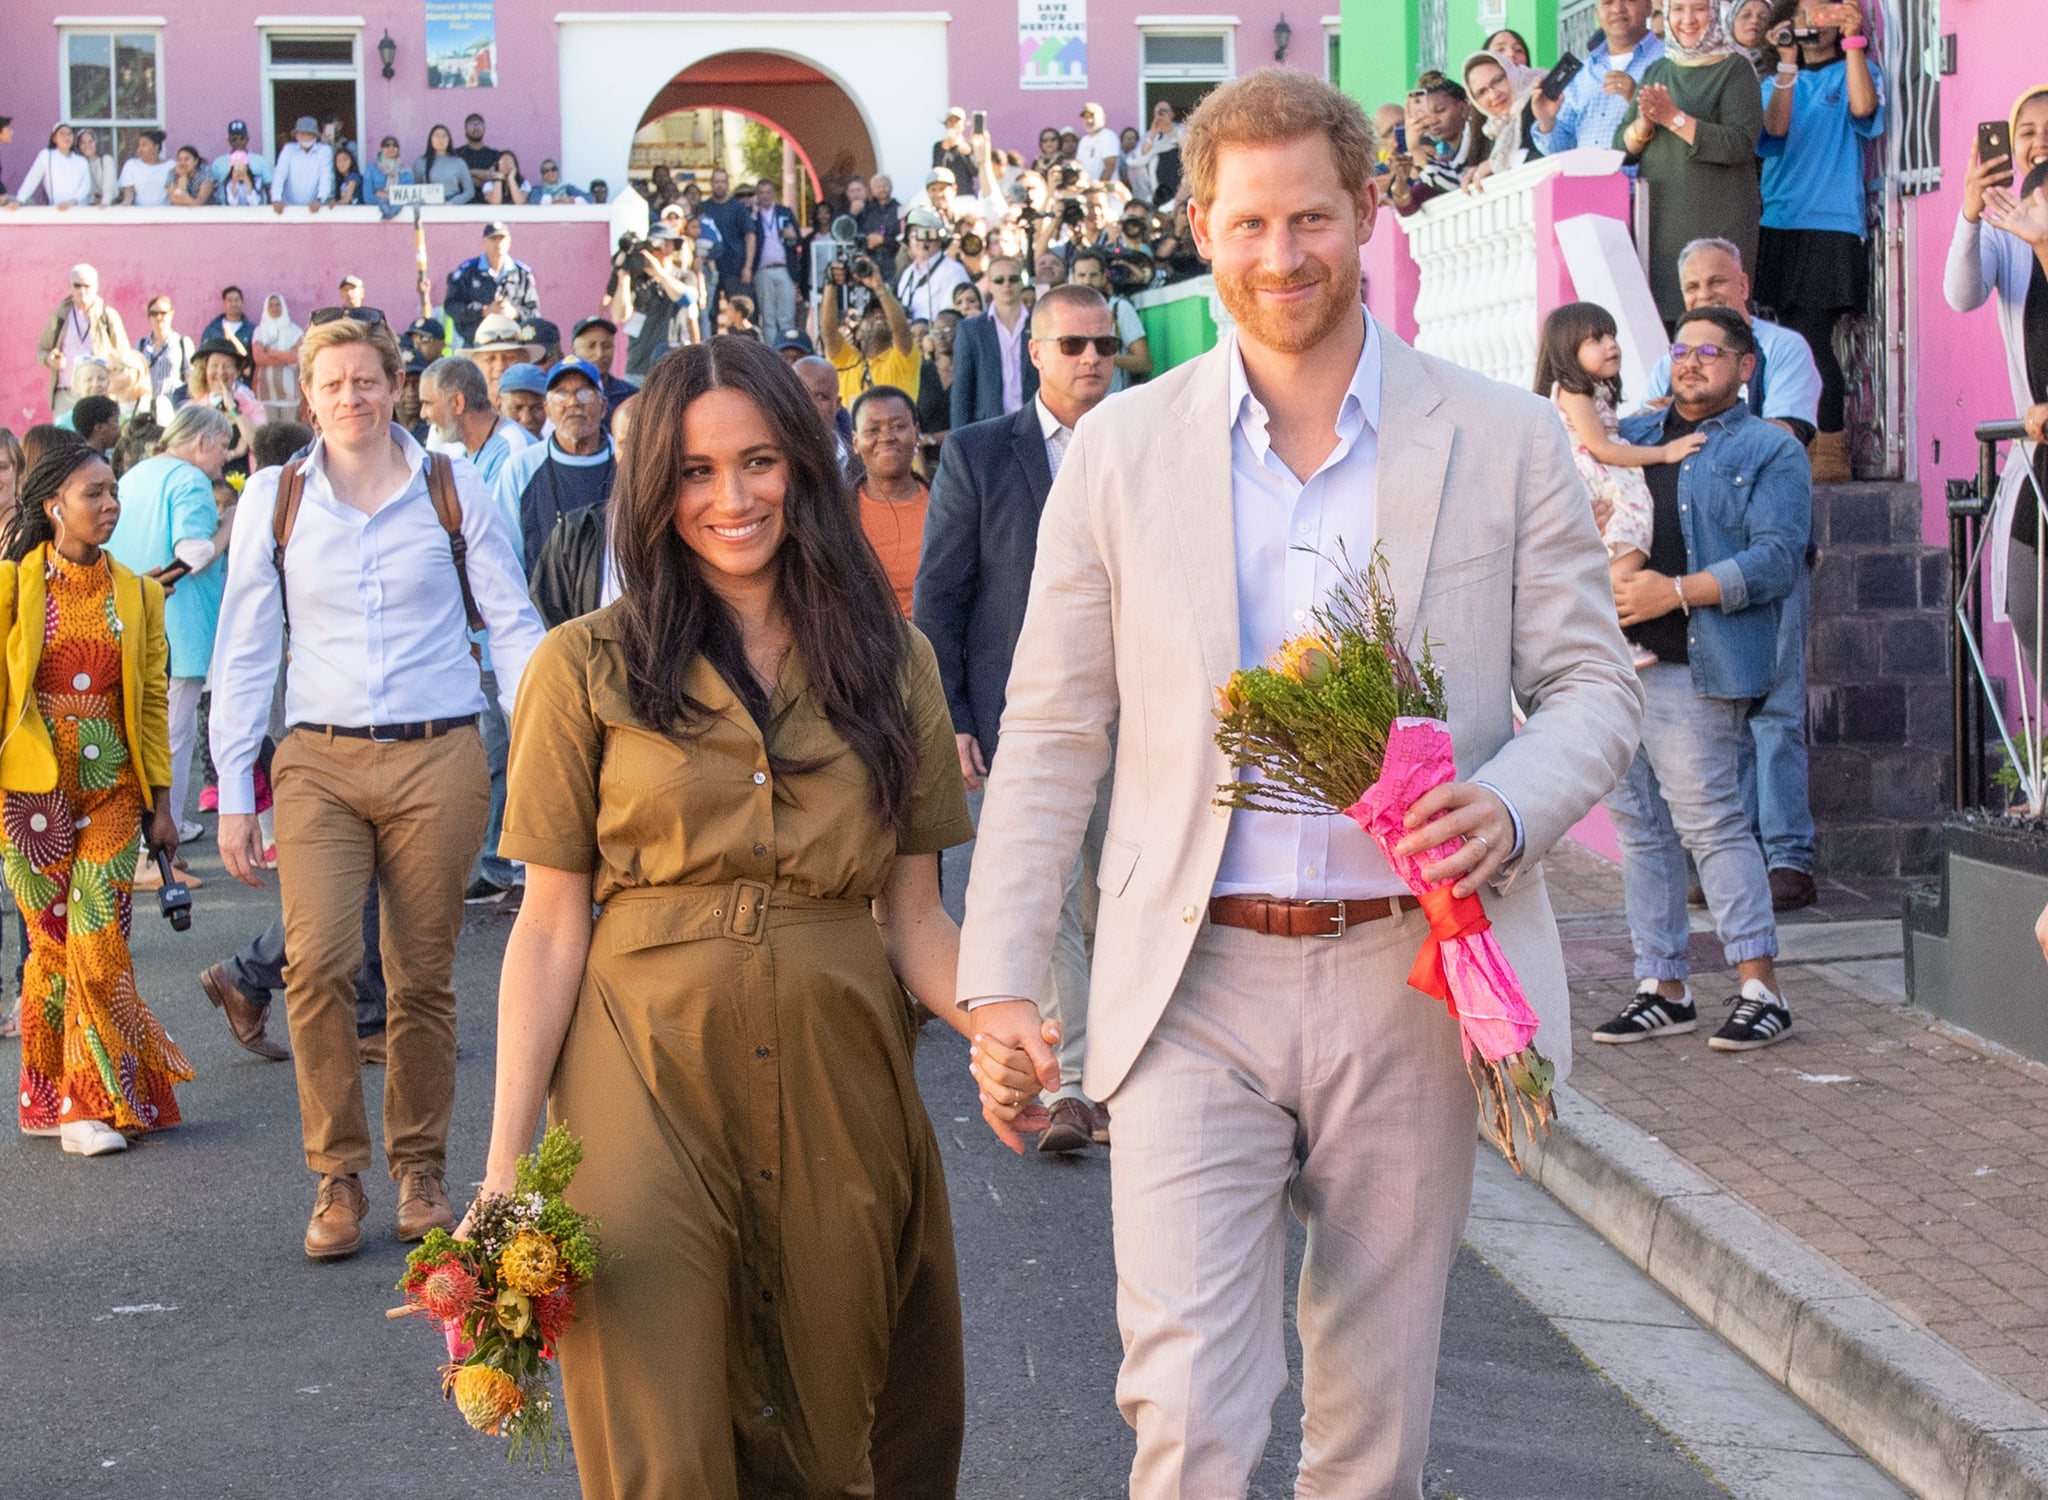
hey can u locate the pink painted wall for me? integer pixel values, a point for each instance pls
(1561, 198)
(1390, 275)
(212, 69)
(300, 255)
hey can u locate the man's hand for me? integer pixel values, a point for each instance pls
(1619, 83)
(241, 848)
(1454, 811)
(1644, 595)
(1545, 109)
(1012, 1060)
(972, 766)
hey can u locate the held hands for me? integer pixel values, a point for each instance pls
(241, 848)
(1458, 809)
(1012, 1061)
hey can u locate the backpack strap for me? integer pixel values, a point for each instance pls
(448, 507)
(291, 488)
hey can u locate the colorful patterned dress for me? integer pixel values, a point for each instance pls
(90, 1049)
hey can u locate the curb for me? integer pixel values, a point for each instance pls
(1933, 1421)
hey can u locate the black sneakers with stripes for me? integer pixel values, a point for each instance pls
(1648, 1015)
(1758, 1019)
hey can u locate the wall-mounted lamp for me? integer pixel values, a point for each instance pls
(1282, 35)
(387, 53)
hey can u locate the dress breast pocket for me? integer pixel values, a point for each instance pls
(637, 761)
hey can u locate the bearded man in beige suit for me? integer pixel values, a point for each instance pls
(1252, 1030)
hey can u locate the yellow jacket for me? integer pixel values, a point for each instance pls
(28, 761)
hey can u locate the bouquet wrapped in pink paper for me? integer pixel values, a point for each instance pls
(1342, 720)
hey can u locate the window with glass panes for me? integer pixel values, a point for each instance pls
(111, 81)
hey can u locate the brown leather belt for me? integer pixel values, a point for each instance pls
(1304, 919)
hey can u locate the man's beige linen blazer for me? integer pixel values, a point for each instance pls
(1133, 621)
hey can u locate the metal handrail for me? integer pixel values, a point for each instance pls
(1969, 507)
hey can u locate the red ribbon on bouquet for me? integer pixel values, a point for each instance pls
(1450, 917)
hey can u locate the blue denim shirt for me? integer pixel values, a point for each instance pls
(1746, 500)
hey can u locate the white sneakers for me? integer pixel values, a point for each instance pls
(91, 1138)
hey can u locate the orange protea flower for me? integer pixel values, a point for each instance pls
(445, 1290)
(531, 1264)
(486, 1396)
(1308, 659)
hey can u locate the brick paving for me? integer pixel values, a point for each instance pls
(1914, 1158)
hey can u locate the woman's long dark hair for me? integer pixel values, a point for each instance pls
(1557, 356)
(30, 526)
(432, 155)
(848, 631)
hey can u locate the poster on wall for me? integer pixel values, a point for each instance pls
(1052, 44)
(462, 45)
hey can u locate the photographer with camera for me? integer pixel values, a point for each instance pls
(654, 297)
(926, 284)
(1822, 106)
(881, 351)
(1133, 361)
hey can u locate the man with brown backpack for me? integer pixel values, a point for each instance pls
(381, 774)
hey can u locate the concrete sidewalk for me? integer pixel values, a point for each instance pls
(1859, 1209)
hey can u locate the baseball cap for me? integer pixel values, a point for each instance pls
(955, 112)
(427, 326)
(941, 174)
(353, 281)
(238, 127)
(582, 323)
(495, 230)
(306, 125)
(581, 367)
(794, 339)
(531, 378)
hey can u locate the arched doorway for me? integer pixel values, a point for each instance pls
(807, 109)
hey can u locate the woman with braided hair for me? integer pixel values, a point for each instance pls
(87, 759)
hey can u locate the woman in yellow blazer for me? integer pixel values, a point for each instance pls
(85, 755)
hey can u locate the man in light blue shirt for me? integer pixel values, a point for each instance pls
(1785, 388)
(305, 168)
(238, 140)
(1597, 100)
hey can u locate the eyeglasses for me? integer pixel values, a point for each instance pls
(1073, 344)
(1006, 281)
(368, 315)
(1706, 352)
(160, 312)
(583, 397)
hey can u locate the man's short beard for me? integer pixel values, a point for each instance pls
(1294, 330)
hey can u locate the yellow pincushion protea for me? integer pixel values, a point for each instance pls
(486, 1397)
(531, 1264)
(1308, 658)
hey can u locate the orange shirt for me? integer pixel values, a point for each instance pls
(897, 533)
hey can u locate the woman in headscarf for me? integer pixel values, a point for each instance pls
(275, 347)
(1499, 89)
(1693, 130)
(2000, 252)
(1749, 25)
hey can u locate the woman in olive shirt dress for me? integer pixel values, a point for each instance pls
(747, 763)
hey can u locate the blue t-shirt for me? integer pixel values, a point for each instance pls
(540, 484)
(165, 501)
(1813, 174)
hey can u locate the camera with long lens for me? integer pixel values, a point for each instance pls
(174, 897)
(854, 264)
(1126, 275)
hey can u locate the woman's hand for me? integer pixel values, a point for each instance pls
(2026, 218)
(1656, 104)
(2036, 421)
(1983, 176)
(1475, 178)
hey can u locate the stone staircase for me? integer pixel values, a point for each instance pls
(1877, 683)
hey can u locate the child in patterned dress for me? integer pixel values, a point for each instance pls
(1579, 368)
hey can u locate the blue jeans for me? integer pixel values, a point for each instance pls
(497, 737)
(1773, 765)
(1682, 796)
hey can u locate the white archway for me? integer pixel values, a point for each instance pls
(612, 64)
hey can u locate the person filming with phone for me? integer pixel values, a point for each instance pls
(1591, 107)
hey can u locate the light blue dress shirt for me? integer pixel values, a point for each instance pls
(1588, 115)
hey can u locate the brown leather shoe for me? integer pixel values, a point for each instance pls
(1791, 890)
(370, 1049)
(422, 1205)
(337, 1226)
(1101, 1133)
(1072, 1128)
(246, 1019)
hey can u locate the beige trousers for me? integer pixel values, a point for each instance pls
(410, 816)
(1303, 1074)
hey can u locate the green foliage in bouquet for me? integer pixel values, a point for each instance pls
(1313, 721)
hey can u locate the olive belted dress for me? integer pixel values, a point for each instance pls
(779, 1315)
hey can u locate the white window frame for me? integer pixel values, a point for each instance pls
(113, 28)
(323, 28)
(1333, 35)
(1150, 26)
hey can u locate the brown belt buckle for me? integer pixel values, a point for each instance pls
(746, 911)
(1343, 920)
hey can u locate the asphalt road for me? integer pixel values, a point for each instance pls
(165, 1336)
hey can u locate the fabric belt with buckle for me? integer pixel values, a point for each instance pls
(391, 734)
(1304, 919)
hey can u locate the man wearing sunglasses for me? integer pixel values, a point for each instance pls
(980, 542)
(574, 468)
(1728, 545)
(991, 376)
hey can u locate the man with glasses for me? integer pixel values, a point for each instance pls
(925, 287)
(991, 376)
(169, 354)
(84, 326)
(1596, 101)
(980, 542)
(1727, 550)
(574, 468)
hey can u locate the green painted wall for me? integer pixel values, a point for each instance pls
(1535, 19)
(1381, 40)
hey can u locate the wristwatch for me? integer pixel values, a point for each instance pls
(1679, 121)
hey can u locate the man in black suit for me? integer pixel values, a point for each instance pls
(980, 539)
(992, 376)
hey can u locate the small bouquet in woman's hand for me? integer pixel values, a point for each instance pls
(502, 1296)
(1341, 720)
